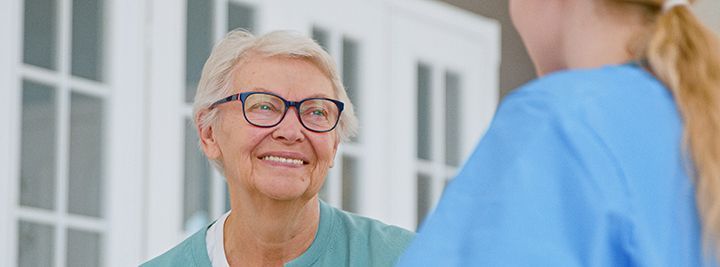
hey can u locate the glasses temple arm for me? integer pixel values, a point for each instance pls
(225, 100)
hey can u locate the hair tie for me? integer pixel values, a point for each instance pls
(670, 4)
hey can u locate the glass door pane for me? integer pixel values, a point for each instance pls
(36, 244)
(39, 34)
(349, 183)
(37, 159)
(196, 193)
(87, 39)
(84, 248)
(240, 16)
(86, 156)
(322, 37)
(424, 111)
(198, 41)
(424, 197)
(453, 108)
(351, 75)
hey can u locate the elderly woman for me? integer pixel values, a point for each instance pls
(270, 112)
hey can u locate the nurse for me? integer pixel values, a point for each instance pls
(610, 158)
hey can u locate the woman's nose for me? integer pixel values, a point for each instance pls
(290, 129)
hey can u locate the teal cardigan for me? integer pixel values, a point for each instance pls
(342, 239)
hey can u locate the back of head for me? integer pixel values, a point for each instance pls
(684, 55)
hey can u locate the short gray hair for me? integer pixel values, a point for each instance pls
(240, 45)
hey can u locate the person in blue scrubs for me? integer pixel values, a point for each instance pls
(610, 158)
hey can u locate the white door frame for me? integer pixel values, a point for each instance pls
(123, 180)
(125, 152)
(10, 52)
(362, 21)
(165, 124)
(470, 47)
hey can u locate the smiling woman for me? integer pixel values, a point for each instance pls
(270, 112)
(248, 162)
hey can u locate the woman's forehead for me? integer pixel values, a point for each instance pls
(285, 93)
(284, 76)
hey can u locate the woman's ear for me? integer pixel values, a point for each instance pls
(335, 147)
(208, 142)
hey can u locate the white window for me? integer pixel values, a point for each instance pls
(61, 218)
(444, 67)
(341, 187)
(204, 190)
(65, 102)
(187, 192)
(438, 133)
(355, 41)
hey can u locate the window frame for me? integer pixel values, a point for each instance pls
(436, 168)
(65, 84)
(336, 36)
(119, 224)
(415, 30)
(10, 16)
(168, 113)
(349, 21)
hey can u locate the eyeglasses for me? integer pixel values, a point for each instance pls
(268, 110)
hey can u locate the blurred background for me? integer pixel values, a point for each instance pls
(99, 162)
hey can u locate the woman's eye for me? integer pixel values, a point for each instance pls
(263, 107)
(318, 113)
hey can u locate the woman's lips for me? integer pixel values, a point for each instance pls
(284, 160)
(287, 158)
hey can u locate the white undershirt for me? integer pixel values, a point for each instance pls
(214, 242)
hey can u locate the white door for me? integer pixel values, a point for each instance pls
(183, 192)
(73, 128)
(445, 76)
(354, 35)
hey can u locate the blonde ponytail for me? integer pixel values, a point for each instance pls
(684, 55)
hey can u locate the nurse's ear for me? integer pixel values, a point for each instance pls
(206, 133)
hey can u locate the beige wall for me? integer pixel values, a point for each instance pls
(516, 68)
(709, 12)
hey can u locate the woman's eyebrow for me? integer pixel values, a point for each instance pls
(319, 95)
(262, 89)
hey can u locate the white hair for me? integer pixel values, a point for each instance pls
(238, 46)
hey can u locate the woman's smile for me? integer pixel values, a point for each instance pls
(284, 159)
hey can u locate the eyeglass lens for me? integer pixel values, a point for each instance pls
(268, 110)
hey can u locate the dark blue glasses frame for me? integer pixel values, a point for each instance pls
(243, 96)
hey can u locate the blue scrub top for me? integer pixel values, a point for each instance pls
(579, 168)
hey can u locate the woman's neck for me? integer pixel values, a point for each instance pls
(268, 232)
(598, 36)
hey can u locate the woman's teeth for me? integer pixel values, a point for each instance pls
(283, 160)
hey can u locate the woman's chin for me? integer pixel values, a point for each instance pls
(284, 189)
